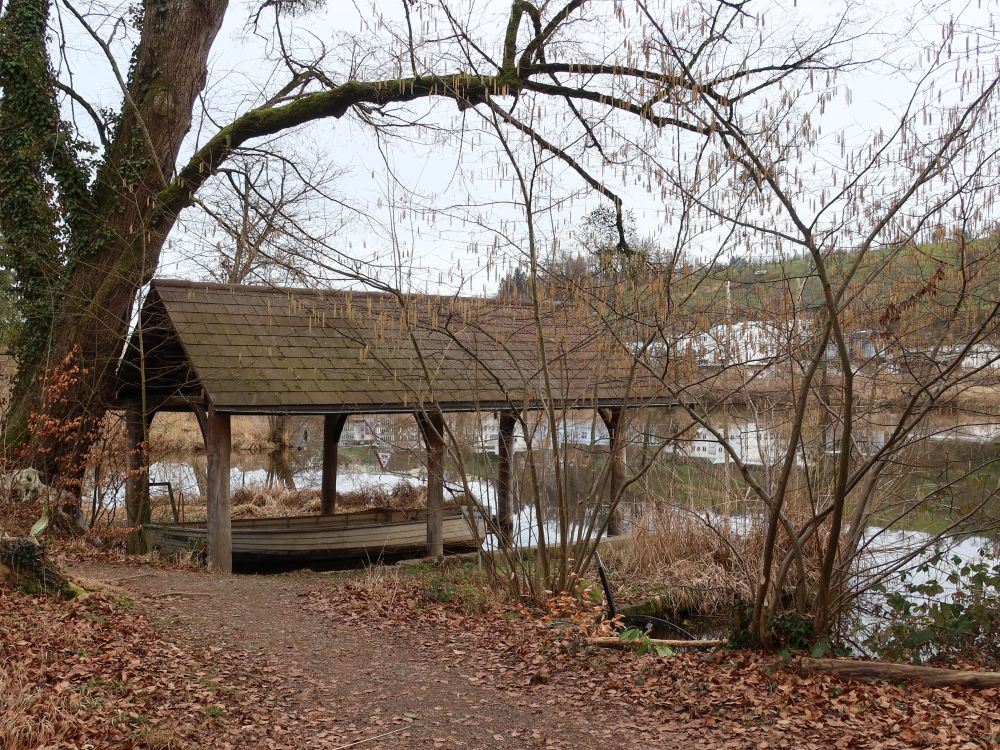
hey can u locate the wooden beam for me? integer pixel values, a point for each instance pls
(137, 480)
(218, 447)
(333, 428)
(431, 426)
(873, 671)
(201, 415)
(614, 421)
(505, 482)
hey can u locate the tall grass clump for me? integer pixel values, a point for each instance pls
(31, 716)
(694, 562)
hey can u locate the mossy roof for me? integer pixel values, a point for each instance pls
(247, 349)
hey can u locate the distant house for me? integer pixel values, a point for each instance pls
(754, 445)
(748, 343)
(578, 430)
(381, 430)
(981, 356)
(864, 349)
(486, 434)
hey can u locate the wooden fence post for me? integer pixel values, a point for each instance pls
(614, 420)
(505, 481)
(137, 479)
(432, 428)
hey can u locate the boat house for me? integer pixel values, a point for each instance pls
(222, 350)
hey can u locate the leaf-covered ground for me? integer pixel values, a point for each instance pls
(402, 661)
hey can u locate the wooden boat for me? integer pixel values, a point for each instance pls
(371, 534)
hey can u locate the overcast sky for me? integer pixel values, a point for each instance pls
(435, 202)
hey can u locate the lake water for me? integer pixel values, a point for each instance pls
(946, 449)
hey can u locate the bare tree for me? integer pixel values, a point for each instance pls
(885, 315)
(265, 219)
(83, 234)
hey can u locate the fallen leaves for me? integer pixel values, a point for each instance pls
(321, 662)
(719, 700)
(95, 674)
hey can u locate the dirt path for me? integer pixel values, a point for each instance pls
(329, 665)
(345, 682)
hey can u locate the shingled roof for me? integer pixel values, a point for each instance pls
(247, 349)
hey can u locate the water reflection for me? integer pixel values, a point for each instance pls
(693, 468)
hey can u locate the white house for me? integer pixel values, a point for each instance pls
(754, 445)
(748, 343)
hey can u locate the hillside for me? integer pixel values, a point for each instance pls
(928, 278)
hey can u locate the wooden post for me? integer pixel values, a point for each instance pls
(333, 427)
(505, 482)
(432, 428)
(137, 480)
(614, 420)
(218, 445)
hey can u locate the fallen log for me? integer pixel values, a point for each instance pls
(873, 671)
(612, 642)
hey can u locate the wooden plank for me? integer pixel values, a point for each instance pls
(454, 529)
(505, 483)
(334, 520)
(137, 479)
(342, 543)
(614, 421)
(612, 642)
(219, 529)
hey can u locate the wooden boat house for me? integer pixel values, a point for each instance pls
(221, 350)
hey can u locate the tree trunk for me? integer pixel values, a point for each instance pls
(278, 431)
(871, 671)
(117, 252)
(25, 566)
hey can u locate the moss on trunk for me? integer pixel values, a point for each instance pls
(25, 566)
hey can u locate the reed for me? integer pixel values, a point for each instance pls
(262, 501)
(179, 433)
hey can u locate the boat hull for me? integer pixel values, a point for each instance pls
(370, 535)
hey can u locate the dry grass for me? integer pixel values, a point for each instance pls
(693, 566)
(28, 717)
(700, 564)
(260, 502)
(383, 583)
(179, 433)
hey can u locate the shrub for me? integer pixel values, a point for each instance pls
(924, 626)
